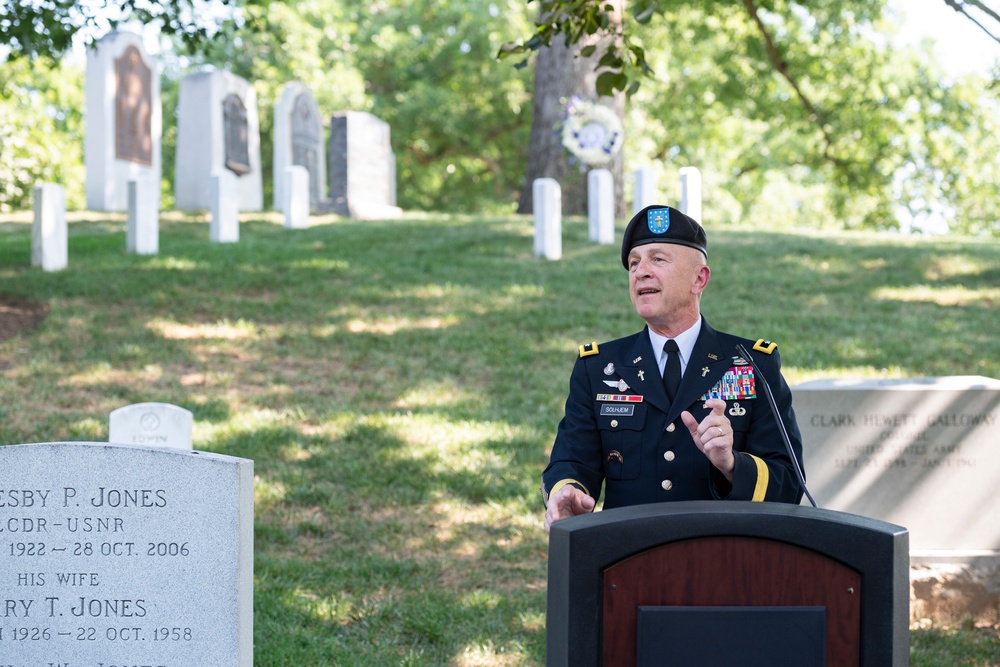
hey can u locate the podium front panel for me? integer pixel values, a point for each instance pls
(736, 572)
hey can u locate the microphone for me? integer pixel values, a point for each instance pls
(781, 424)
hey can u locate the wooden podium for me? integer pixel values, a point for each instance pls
(706, 583)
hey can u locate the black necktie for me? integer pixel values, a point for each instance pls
(672, 369)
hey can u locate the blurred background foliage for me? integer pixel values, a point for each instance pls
(848, 130)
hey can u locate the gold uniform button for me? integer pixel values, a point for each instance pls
(667, 484)
(670, 456)
(670, 428)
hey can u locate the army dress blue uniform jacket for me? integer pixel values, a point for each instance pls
(628, 438)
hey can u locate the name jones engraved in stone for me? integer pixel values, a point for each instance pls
(237, 132)
(133, 108)
(53, 528)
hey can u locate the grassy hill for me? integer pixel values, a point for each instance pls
(398, 384)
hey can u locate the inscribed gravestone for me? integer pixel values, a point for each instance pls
(123, 120)
(298, 141)
(921, 453)
(154, 424)
(125, 555)
(217, 129)
(362, 166)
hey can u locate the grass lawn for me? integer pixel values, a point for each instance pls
(398, 384)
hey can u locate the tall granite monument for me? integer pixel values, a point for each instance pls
(362, 166)
(217, 129)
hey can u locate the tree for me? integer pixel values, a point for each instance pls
(624, 59)
(33, 29)
(564, 72)
(41, 130)
(766, 90)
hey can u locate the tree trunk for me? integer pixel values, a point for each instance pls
(560, 74)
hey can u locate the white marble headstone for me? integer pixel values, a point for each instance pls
(298, 141)
(600, 206)
(296, 205)
(224, 223)
(49, 233)
(142, 235)
(546, 197)
(691, 192)
(125, 555)
(209, 141)
(153, 424)
(644, 192)
(123, 120)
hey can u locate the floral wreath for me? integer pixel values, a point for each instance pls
(593, 133)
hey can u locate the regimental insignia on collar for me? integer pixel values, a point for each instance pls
(765, 346)
(588, 349)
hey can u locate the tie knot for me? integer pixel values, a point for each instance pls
(670, 346)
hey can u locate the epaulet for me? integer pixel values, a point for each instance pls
(588, 349)
(765, 346)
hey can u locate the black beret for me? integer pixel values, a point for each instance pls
(662, 224)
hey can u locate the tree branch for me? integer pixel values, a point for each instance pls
(781, 67)
(959, 7)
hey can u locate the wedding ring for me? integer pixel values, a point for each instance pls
(721, 432)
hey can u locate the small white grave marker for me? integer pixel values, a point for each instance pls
(143, 233)
(296, 204)
(601, 206)
(644, 189)
(691, 192)
(547, 199)
(154, 424)
(49, 234)
(225, 224)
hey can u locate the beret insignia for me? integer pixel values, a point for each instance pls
(588, 349)
(765, 346)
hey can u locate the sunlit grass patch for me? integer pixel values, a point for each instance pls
(399, 411)
(940, 296)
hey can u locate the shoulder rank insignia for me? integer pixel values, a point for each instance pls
(588, 349)
(765, 346)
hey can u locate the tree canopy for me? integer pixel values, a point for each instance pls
(809, 115)
(624, 60)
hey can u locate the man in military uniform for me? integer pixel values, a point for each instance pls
(673, 412)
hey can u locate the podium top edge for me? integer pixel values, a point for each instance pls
(718, 510)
